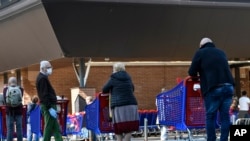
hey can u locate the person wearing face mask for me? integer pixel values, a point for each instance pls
(47, 96)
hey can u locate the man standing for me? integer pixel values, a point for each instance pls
(13, 98)
(47, 97)
(244, 103)
(217, 86)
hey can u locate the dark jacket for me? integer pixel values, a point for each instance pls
(45, 91)
(212, 66)
(121, 88)
(13, 110)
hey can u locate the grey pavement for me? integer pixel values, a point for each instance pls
(172, 136)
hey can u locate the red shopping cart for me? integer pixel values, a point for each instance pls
(182, 106)
(97, 115)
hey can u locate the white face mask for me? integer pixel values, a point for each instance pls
(49, 71)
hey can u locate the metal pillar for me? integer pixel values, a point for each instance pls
(18, 77)
(81, 71)
(5, 78)
(145, 129)
(237, 81)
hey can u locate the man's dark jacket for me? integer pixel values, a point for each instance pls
(45, 91)
(121, 88)
(212, 66)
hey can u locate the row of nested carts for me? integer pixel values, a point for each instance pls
(181, 108)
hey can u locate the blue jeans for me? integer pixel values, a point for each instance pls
(218, 99)
(10, 127)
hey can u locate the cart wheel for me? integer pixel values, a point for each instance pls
(155, 132)
(149, 133)
(141, 133)
(134, 134)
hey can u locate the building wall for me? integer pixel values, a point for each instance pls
(148, 80)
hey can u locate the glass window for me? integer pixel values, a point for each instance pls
(5, 3)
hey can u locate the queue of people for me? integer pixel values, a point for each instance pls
(13, 95)
(123, 101)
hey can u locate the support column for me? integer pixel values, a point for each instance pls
(5, 78)
(81, 72)
(79, 101)
(18, 77)
(237, 82)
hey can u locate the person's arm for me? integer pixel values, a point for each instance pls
(107, 87)
(133, 87)
(82, 94)
(4, 94)
(195, 65)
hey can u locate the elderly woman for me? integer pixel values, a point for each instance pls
(125, 116)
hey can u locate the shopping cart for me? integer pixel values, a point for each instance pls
(182, 106)
(35, 118)
(74, 127)
(97, 115)
(152, 128)
(242, 121)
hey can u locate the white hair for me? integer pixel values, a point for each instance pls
(12, 81)
(43, 64)
(119, 66)
(204, 41)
